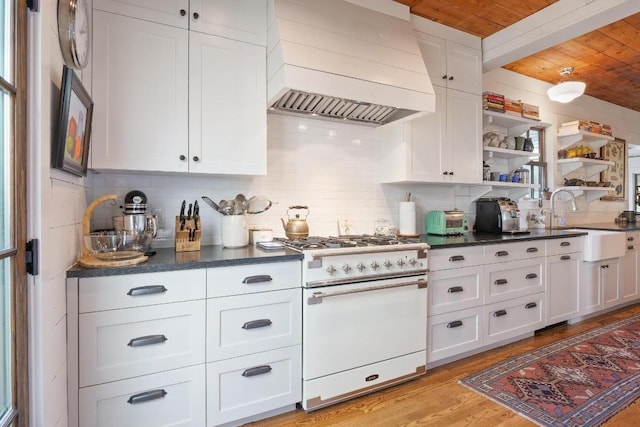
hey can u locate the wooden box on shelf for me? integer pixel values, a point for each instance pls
(188, 236)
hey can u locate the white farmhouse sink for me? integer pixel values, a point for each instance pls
(601, 244)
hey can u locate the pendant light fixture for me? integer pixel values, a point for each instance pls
(566, 91)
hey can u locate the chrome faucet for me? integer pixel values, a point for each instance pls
(552, 198)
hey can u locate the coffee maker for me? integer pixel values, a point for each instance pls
(497, 215)
(135, 218)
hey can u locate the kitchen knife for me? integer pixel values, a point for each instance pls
(182, 220)
(184, 204)
(189, 211)
(196, 214)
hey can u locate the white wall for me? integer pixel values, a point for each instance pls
(56, 203)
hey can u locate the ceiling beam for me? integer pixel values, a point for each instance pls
(557, 23)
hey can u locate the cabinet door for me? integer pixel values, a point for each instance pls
(629, 279)
(464, 127)
(610, 279)
(464, 68)
(140, 94)
(590, 289)
(562, 287)
(169, 12)
(434, 54)
(227, 106)
(244, 20)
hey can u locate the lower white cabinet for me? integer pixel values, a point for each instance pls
(170, 398)
(563, 284)
(244, 386)
(599, 285)
(454, 333)
(514, 317)
(629, 288)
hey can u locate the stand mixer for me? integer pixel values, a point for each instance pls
(134, 217)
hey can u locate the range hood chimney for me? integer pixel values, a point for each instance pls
(332, 59)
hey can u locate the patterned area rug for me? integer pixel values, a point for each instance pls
(579, 381)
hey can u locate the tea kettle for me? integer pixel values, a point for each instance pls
(296, 228)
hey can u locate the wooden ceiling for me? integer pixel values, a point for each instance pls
(607, 60)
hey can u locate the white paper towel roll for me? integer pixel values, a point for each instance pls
(407, 222)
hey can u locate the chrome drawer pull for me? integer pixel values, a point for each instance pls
(531, 276)
(258, 370)
(261, 278)
(253, 324)
(565, 244)
(500, 282)
(147, 340)
(631, 247)
(630, 239)
(147, 290)
(147, 396)
(454, 324)
(502, 253)
(456, 258)
(532, 249)
(500, 313)
(317, 297)
(565, 257)
(531, 305)
(455, 289)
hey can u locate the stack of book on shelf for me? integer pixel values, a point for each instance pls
(493, 102)
(513, 107)
(571, 128)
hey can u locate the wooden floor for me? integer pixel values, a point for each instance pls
(436, 399)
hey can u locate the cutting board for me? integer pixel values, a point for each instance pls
(92, 262)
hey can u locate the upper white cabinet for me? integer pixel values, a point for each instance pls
(177, 89)
(450, 64)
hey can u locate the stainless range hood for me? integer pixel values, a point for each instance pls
(333, 59)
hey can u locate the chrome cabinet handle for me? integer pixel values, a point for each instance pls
(317, 297)
(531, 305)
(147, 396)
(502, 253)
(455, 289)
(500, 282)
(531, 276)
(147, 340)
(259, 323)
(532, 250)
(261, 278)
(147, 290)
(499, 313)
(258, 370)
(631, 247)
(565, 257)
(454, 324)
(456, 258)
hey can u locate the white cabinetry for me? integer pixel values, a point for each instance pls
(600, 285)
(178, 93)
(136, 339)
(443, 147)
(629, 290)
(579, 167)
(563, 269)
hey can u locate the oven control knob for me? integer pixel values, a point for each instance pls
(346, 268)
(375, 265)
(400, 263)
(413, 262)
(331, 269)
(361, 267)
(388, 264)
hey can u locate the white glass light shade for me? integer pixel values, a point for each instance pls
(566, 91)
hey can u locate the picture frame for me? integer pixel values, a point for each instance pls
(70, 150)
(616, 152)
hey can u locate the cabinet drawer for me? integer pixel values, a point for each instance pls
(455, 289)
(120, 344)
(514, 279)
(134, 290)
(246, 324)
(175, 398)
(509, 319)
(564, 246)
(444, 259)
(454, 333)
(514, 251)
(244, 386)
(246, 279)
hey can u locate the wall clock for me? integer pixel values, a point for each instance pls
(74, 32)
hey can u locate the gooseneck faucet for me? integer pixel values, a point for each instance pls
(553, 197)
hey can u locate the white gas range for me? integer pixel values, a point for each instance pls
(364, 315)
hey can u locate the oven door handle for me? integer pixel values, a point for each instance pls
(317, 297)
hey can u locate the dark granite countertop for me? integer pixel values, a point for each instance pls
(167, 259)
(473, 239)
(609, 226)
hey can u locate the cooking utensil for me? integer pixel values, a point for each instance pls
(211, 203)
(296, 228)
(257, 204)
(239, 204)
(226, 207)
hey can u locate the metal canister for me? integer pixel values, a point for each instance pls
(523, 175)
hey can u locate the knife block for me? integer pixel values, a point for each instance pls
(186, 239)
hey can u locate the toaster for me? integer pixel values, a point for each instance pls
(446, 223)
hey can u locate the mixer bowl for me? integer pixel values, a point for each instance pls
(140, 242)
(117, 245)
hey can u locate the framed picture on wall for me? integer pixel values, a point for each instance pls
(70, 150)
(616, 152)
